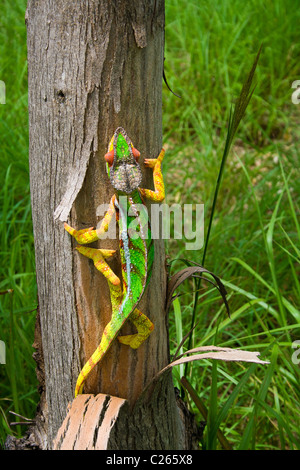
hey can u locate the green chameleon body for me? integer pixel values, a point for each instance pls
(135, 243)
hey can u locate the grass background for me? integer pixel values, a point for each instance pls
(254, 243)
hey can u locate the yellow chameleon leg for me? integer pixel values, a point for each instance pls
(89, 235)
(98, 256)
(84, 236)
(159, 194)
(144, 327)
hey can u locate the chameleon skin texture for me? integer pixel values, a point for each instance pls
(135, 244)
(125, 173)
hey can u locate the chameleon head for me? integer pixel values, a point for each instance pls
(122, 162)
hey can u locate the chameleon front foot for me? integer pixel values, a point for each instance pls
(84, 236)
(153, 162)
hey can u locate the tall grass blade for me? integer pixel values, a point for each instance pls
(249, 437)
(233, 124)
(204, 412)
(178, 325)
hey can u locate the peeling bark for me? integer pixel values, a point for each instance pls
(103, 422)
(88, 423)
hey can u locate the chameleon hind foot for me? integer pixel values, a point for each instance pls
(144, 327)
(84, 236)
(98, 256)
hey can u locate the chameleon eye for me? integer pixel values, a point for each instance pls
(136, 153)
(109, 157)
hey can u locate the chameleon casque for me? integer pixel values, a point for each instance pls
(136, 249)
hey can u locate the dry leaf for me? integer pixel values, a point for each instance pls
(217, 353)
(193, 271)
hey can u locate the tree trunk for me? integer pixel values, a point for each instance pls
(93, 66)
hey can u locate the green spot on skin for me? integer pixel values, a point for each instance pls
(122, 148)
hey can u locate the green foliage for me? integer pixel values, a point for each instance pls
(254, 235)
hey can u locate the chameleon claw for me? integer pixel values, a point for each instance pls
(150, 162)
(108, 253)
(86, 235)
(69, 229)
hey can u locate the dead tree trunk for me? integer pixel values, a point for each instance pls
(93, 66)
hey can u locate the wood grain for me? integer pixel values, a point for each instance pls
(92, 66)
(88, 423)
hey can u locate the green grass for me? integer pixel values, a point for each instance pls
(17, 309)
(254, 241)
